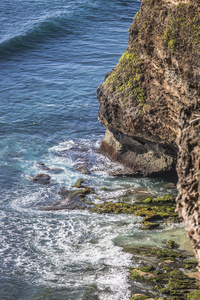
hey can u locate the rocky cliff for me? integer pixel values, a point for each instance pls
(140, 100)
(152, 97)
(188, 167)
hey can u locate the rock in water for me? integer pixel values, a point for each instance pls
(83, 169)
(41, 178)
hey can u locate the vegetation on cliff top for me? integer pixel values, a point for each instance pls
(183, 31)
(125, 80)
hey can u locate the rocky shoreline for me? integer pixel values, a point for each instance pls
(159, 272)
(163, 273)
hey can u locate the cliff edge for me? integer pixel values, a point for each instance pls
(150, 102)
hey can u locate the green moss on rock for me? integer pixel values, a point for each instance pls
(161, 200)
(171, 244)
(195, 295)
(183, 29)
(189, 264)
(168, 282)
(79, 183)
(125, 81)
(149, 225)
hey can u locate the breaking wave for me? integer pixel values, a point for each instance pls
(35, 33)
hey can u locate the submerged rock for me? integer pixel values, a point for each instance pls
(83, 169)
(91, 293)
(41, 178)
(72, 199)
(42, 166)
(45, 168)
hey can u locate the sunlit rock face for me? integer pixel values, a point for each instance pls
(140, 100)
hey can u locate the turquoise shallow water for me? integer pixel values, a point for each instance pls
(53, 55)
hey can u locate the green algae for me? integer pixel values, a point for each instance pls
(104, 189)
(79, 183)
(166, 281)
(83, 192)
(189, 264)
(171, 244)
(148, 225)
(195, 295)
(162, 254)
(152, 214)
(89, 202)
(160, 200)
(94, 210)
(168, 254)
(147, 268)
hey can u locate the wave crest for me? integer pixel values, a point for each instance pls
(50, 27)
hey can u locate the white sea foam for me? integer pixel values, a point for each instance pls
(50, 248)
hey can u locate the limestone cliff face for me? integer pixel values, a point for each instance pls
(188, 167)
(140, 100)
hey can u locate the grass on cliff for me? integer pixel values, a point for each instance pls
(125, 81)
(183, 31)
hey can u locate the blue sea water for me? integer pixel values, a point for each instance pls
(53, 56)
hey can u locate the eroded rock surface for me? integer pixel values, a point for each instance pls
(188, 167)
(159, 73)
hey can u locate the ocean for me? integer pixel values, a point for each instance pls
(53, 56)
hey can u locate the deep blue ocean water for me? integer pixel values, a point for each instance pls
(53, 56)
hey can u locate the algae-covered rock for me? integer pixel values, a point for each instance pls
(195, 295)
(149, 225)
(104, 189)
(171, 244)
(79, 183)
(160, 200)
(83, 169)
(90, 293)
(152, 214)
(72, 199)
(190, 264)
(168, 254)
(42, 166)
(167, 282)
